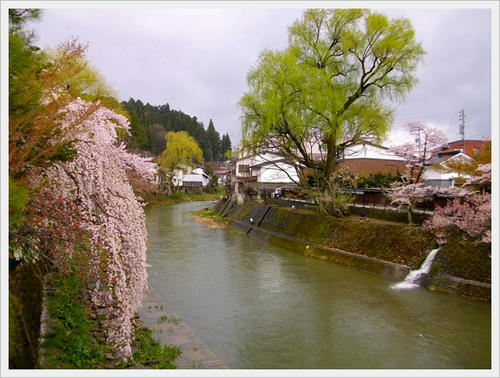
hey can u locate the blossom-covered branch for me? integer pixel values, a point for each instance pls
(96, 181)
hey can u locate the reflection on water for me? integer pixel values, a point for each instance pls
(259, 306)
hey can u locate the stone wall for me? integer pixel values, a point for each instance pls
(353, 242)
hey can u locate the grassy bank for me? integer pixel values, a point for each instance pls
(388, 241)
(74, 339)
(156, 199)
(211, 219)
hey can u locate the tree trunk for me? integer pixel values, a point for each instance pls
(410, 214)
(330, 164)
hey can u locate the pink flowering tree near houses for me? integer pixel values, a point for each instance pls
(94, 189)
(470, 208)
(470, 213)
(426, 140)
(411, 192)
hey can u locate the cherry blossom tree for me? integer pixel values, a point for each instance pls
(426, 141)
(108, 211)
(481, 179)
(410, 195)
(411, 192)
(471, 212)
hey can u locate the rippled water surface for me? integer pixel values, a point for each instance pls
(259, 306)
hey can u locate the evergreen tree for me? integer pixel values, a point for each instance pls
(213, 143)
(146, 136)
(139, 136)
(225, 145)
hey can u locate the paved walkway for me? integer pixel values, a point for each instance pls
(169, 329)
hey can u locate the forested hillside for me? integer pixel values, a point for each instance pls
(150, 123)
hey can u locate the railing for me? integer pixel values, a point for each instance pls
(373, 199)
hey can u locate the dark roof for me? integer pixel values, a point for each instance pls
(442, 156)
(460, 141)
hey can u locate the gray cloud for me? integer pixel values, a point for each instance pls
(455, 74)
(197, 59)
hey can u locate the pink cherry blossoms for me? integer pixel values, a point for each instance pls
(96, 181)
(482, 177)
(426, 140)
(471, 212)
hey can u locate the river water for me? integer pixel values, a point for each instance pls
(259, 306)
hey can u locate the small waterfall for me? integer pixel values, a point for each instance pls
(412, 279)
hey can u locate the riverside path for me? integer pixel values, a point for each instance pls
(169, 329)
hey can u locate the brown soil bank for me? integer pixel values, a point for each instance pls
(388, 249)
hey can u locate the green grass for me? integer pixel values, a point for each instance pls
(75, 340)
(162, 319)
(183, 197)
(209, 213)
(150, 353)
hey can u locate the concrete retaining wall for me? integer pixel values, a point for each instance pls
(387, 249)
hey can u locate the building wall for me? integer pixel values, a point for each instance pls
(273, 174)
(367, 166)
(471, 146)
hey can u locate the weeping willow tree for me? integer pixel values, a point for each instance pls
(181, 151)
(329, 89)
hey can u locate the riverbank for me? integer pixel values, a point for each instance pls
(72, 334)
(162, 200)
(388, 249)
(171, 330)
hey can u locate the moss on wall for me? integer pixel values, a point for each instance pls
(462, 258)
(388, 214)
(464, 288)
(400, 244)
(359, 262)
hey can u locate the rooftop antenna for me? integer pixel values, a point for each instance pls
(461, 127)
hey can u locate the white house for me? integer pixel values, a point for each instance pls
(198, 171)
(266, 167)
(195, 180)
(368, 158)
(179, 177)
(370, 151)
(363, 158)
(433, 176)
(222, 175)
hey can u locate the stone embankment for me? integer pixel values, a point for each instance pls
(389, 249)
(169, 329)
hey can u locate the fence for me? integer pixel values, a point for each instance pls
(377, 198)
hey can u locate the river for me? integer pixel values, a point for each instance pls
(259, 306)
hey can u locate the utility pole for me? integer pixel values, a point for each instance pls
(461, 127)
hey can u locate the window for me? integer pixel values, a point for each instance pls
(243, 168)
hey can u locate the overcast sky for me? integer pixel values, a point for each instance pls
(197, 59)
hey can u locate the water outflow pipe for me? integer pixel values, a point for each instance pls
(412, 279)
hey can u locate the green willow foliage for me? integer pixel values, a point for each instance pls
(180, 150)
(328, 90)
